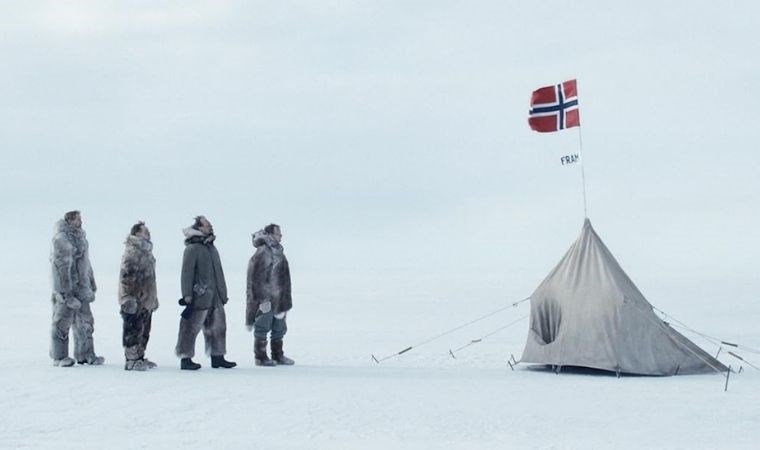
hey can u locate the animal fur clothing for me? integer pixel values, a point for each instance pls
(137, 295)
(203, 280)
(136, 333)
(137, 278)
(73, 290)
(213, 322)
(202, 274)
(268, 278)
(72, 272)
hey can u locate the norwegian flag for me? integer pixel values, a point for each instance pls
(554, 108)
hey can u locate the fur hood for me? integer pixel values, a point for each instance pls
(193, 236)
(261, 238)
(138, 243)
(76, 236)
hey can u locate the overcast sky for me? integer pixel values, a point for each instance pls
(389, 139)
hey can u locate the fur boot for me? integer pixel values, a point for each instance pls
(278, 355)
(150, 364)
(63, 362)
(136, 365)
(260, 353)
(92, 360)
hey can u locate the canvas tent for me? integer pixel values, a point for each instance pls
(587, 312)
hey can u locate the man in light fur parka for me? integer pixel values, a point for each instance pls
(73, 290)
(268, 296)
(138, 296)
(204, 291)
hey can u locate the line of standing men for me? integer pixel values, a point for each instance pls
(204, 294)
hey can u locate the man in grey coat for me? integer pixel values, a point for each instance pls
(204, 292)
(73, 290)
(138, 296)
(268, 296)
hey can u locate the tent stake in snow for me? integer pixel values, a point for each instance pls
(480, 339)
(512, 361)
(391, 356)
(728, 375)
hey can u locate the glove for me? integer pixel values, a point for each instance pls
(187, 313)
(129, 306)
(280, 315)
(265, 307)
(73, 302)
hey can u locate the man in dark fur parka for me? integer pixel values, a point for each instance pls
(204, 290)
(138, 296)
(268, 296)
(73, 291)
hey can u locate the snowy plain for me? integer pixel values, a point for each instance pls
(336, 397)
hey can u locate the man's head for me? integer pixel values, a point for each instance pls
(274, 230)
(73, 218)
(203, 225)
(140, 230)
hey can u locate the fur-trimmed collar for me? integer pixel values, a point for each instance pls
(261, 237)
(139, 243)
(76, 236)
(193, 236)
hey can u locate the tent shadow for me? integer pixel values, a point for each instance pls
(579, 370)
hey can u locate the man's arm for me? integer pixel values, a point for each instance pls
(92, 281)
(261, 263)
(63, 260)
(221, 283)
(128, 287)
(249, 282)
(189, 259)
(251, 305)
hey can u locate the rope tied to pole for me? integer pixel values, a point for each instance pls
(712, 339)
(457, 328)
(743, 360)
(486, 336)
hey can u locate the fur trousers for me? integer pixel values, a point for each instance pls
(64, 318)
(136, 334)
(214, 325)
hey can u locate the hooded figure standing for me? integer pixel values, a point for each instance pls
(138, 296)
(268, 296)
(73, 291)
(204, 292)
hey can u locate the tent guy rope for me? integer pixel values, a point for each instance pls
(457, 328)
(486, 336)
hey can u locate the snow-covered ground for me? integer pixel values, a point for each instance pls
(336, 397)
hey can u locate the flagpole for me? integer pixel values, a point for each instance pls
(583, 171)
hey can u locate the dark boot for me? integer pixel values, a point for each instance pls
(188, 364)
(279, 356)
(260, 352)
(218, 361)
